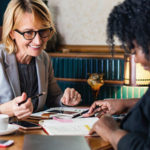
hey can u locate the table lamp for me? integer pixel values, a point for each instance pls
(95, 81)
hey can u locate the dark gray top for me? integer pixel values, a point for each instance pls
(28, 80)
(137, 123)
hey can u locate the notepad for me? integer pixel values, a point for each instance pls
(79, 126)
(42, 142)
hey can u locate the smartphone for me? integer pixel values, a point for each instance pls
(6, 143)
(27, 125)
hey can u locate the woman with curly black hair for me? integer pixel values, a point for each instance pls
(130, 22)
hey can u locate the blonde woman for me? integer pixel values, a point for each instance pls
(25, 69)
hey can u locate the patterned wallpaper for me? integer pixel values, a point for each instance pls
(81, 22)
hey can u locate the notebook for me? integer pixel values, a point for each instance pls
(78, 126)
(42, 142)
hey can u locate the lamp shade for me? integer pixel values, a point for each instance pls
(134, 73)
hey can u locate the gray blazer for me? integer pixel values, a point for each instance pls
(10, 83)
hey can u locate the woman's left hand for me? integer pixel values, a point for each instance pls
(71, 97)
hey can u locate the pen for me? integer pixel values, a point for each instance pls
(97, 106)
(83, 112)
(80, 114)
(98, 112)
(33, 97)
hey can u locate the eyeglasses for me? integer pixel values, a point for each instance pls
(30, 35)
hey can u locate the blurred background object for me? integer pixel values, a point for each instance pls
(135, 74)
(95, 81)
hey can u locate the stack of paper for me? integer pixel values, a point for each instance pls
(60, 112)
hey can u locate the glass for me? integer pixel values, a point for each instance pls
(30, 35)
(95, 81)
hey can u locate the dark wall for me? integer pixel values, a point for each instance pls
(3, 5)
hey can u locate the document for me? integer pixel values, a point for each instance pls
(42, 142)
(60, 112)
(78, 126)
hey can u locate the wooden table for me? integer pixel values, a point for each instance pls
(95, 143)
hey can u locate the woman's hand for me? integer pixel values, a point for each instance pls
(106, 107)
(12, 108)
(104, 127)
(71, 97)
(108, 129)
(24, 110)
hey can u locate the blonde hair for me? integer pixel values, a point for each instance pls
(13, 14)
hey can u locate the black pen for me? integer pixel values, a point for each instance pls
(80, 114)
(83, 112)
(97, 106)
(33, 97)
(95, 114)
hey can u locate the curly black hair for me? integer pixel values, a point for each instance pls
(130, 21)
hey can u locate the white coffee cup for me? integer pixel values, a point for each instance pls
(4, 119)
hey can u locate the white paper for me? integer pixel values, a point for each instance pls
(70, 127)
(60, 115)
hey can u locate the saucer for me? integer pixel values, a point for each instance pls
(11, 128)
